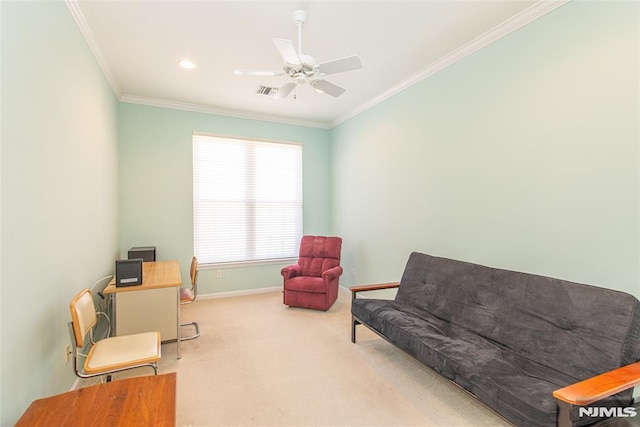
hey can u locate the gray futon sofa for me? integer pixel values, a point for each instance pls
(513, 339)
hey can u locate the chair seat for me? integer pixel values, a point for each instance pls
(124, 351)
(307, 284)
(186, 295)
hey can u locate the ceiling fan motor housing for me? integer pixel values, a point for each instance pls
(306, 68)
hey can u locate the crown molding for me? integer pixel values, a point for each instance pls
(528, 15)
(198, 108)
(78, 16)
(517, 21)
(81, 22)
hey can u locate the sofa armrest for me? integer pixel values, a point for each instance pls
(332, 273)
(362, 288)
(291, 271)
(601, 386)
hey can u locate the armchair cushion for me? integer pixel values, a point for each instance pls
(318, 254)
(307, 284)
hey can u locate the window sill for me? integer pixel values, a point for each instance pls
(241, 264)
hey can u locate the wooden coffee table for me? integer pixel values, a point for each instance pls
(141, 401)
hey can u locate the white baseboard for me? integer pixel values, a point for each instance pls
(75, 384)
(239, 293)
(250, 292)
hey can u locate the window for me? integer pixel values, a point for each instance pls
(247, 199)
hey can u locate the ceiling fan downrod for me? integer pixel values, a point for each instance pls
(299, 17)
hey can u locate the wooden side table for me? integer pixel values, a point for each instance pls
(141, 401)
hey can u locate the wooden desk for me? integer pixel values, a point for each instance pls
(152, 306)
(141, 401)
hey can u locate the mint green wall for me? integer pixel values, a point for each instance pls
(523, 155)
(59, 230)
(156, 200)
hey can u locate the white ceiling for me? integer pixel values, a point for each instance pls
(138, 45)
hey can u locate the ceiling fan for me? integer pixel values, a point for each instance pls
(302, 68)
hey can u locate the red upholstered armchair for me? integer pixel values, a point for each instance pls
(313, 281)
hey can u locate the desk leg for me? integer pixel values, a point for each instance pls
(178, 338)
(111, 311)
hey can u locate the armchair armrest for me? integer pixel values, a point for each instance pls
(362, 288)
(291, 271)
(332, 273)
(601, 386)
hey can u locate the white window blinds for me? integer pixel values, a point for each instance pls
(247, 199)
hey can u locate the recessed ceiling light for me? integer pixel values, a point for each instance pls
(185, 63)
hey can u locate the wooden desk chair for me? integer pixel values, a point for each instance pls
(108, 355)
(188, 295)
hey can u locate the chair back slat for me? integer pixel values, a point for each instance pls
(83, 315)
(194, 276)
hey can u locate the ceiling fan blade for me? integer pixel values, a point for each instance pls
(340, 65)
(284, 91)
(328, 88)
(267, 73)
(287, 51)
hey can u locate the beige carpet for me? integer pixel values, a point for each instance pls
(258, 362)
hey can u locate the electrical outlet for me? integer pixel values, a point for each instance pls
(218, 274)
(67, 353)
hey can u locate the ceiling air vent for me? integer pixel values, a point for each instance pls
(267, 91)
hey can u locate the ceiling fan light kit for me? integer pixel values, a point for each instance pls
(303, 68)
